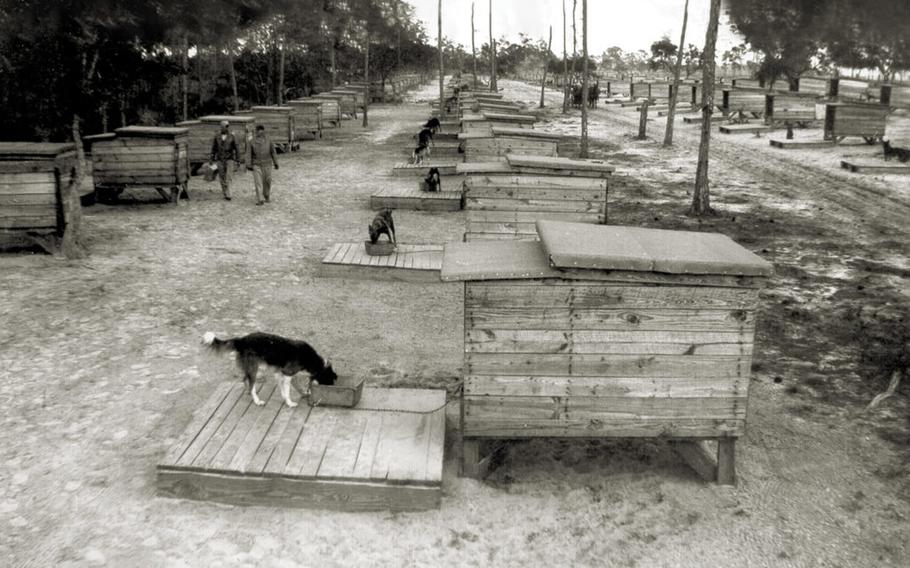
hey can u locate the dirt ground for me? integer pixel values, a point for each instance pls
(101, 369)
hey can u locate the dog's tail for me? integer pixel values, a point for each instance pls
(215, 344)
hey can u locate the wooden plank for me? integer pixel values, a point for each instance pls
(555, 293)
(225, 429)
(271, 441)
(395, 428)
(435, 447)
(45, 222)
(546, 386)
(544, 206)
(598, 365)
(883, 167)
(512, 182)
(366, 452)
(26, 178)
(250, 421)
(726, 472)
(236, 396)
(201, 417)
(311, 446)
(28, 211)
(296, 428)
(597, 341)
(296, 492)
(604, 408)
(408, 448)
(741, 128)
(485, 216)
(800, 144)
(510, 427)
(344, 445)
(28, 199)
(610, 319)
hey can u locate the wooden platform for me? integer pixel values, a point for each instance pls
(385, 453)
(406, 169)
(415, 199)
(876, 167)
(799, 144)
(696, 119)
(741, 128)
(410, 263)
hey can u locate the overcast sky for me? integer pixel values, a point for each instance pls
(630, 24)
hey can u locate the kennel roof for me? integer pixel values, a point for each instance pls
(582, 250)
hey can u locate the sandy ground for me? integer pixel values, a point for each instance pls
(100, 370)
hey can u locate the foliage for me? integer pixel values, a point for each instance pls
(113, 63)
(663, 55)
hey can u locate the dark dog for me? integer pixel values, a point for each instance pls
(433, 181)
(419, 153)
(902, 154)
(289, 356)
(434, 125)
(425, 137)
(382, 224)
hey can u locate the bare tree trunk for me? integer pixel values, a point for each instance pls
(546, 64)
(442, 94)
(565, 64)
(701, 203)
(473, 49)
(643, 120)
(397, 43)
(332, 70)
(184, 76)
(280, 74)
(70, 245)
(270, 70)
(492, 52)
(671, 112)
(366, 79)
(584, 80)
(574, 43)
(230, 55)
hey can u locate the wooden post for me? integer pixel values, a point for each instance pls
(184, 76)
(473, 49)
(584, 81)
(674, 95)
(442, 95)
(701, 203)
(726, 463)
(280, 73)
(543, 82)
(643, 120)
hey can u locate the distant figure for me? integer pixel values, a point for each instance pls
(224, 153)
(260, 153)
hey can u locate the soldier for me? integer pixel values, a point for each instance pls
(224, 151)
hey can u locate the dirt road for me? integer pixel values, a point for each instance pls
(100, 370)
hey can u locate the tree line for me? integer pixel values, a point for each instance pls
(106, 63)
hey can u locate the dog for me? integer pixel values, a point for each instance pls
(419, 153)
(434, 125)
(425, 137)
(433, 181)
(382, 224)
(289, 356)
(902, 154)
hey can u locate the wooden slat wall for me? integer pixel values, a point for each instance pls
(576, 358)
(331, 108)
(307, 119)
(279, 125)
(639, 90)
(897, 129)
(856, 120)
(789, 107)
(141, 161)
(483, 149)
(201, 135)
(814, 85)
(745, 100)
(508, 206)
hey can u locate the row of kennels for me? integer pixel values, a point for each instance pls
(606, 331)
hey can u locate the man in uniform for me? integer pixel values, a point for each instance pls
(224, 153)
(261, 155)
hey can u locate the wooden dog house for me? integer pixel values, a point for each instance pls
(331, 107)
(307, 118)
(866, 121)
(202, 132)
(606, 331)
(480, 146)
(38, 203)
(789, 107)
(143, 157)
(279, 125)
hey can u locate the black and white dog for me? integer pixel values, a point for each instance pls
(288, 356)
(382, 224)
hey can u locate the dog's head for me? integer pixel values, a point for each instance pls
(373, 228)
(326, 376)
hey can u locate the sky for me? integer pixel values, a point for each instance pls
(630, 24)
